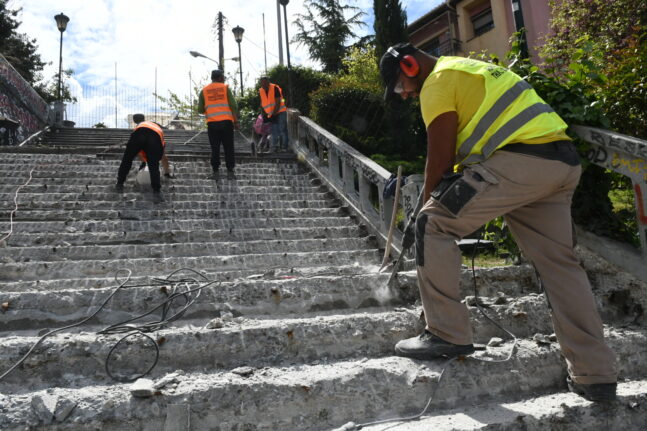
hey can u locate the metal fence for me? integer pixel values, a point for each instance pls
(112, 106)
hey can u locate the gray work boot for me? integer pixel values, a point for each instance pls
(594, 391)
(430, 346)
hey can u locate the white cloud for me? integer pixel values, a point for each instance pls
(142, 35)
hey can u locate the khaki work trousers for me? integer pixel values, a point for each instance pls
(534, 195)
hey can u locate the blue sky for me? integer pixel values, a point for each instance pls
(145, 36)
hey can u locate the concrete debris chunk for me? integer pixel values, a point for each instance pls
(553, 337)
(142, 388)
(541, 339)
(167, 380)
(500, 299)
(215, 323)
(63, 409)
(226, 316)
(44, 406)
(243, 371)
(495, 342)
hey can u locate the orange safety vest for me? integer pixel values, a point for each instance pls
(267, 100)
(155, 128)
(216, 102)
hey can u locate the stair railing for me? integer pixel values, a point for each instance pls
(355, 178)
(628, 156)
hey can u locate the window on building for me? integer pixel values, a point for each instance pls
(433, 47)
(482, 21)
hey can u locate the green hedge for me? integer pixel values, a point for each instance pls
(353, 113)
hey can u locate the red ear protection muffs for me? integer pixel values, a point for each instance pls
(408, 64)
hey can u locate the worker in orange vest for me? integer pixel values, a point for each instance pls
(274, 109)
(147, 141)
(221, 111)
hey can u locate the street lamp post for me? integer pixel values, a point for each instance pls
(198, 54)
(284, 3)
(238, 35)
(61, 23)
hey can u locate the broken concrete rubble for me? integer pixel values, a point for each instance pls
(293, 317)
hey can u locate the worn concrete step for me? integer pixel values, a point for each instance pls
(226, 186)
(558, 411)
(241, 341)
(152, 225)
(165, 210)
(182, 236)
(317, 396)
(61, 185)
(276, 294)
(84, 202)
(42, 303)
(84, 166)
(67, 184)
(38, 254)
(244, 276)
(191, 195)
(151, 266)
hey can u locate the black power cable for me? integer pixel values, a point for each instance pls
(352, 426)
(188, 288)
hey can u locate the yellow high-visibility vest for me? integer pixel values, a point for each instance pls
(511, 111)
(216, 102)
(268, 101)
(155, 128)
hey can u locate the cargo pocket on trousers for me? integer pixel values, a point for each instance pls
(456, 191)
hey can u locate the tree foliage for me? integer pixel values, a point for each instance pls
(360, 68)
(17, 48)
(20, 52)
(185, 107)
(325, 29)
(305, 80)
(48, 90)
(600, 45)
(390, 25)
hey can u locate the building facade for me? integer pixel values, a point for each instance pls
(459, 27)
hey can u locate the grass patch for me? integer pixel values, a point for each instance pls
(485, 260)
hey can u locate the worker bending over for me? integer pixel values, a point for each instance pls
(495, 148)
(147, 140)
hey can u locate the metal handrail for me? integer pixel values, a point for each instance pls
(34, 136)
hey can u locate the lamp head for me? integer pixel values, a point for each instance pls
(238, 33)
(61, 21)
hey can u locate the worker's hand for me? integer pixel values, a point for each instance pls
(409, 236)
(236, 125)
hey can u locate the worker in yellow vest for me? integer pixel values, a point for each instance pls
(495, 148)
(274, 110)
(221, 111)
(147, 141)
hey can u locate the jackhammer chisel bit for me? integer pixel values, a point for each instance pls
(408, 238)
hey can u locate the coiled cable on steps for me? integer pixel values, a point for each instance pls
(187, 288)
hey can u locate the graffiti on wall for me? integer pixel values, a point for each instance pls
(618, 142)
(20, 102)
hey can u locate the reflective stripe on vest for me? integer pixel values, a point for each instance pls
(268, 101)
(155, 128)
(511, 111)
(216, 102)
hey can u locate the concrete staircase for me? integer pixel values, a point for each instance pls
(296, 330)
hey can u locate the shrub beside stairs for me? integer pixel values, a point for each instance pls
(296, 330)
